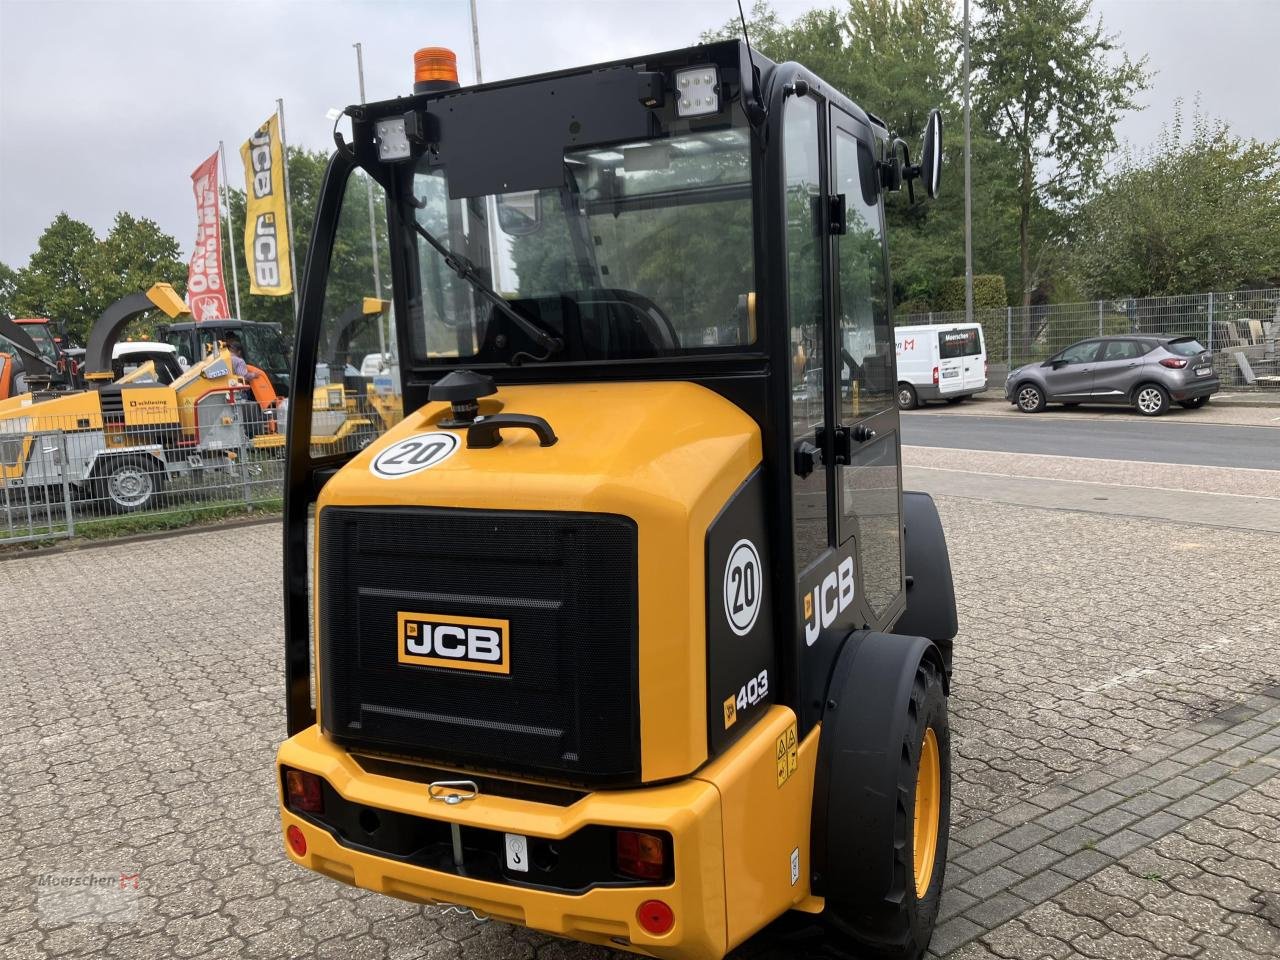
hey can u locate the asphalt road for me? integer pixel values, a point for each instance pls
(1151, 441)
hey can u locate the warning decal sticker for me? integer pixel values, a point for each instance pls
(787, 754)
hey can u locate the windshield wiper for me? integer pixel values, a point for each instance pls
(465, 269)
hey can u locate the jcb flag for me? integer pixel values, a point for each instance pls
(266, 234)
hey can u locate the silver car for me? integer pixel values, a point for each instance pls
(1147, 373)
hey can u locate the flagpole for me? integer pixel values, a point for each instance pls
(288, 208)
(373, 226)
(490, 209)
(231, 239)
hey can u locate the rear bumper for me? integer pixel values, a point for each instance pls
(1205, 387)
(698, 813)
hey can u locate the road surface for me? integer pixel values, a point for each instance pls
(1105, 438)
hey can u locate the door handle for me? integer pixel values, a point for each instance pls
(806, 458)
(863, 433)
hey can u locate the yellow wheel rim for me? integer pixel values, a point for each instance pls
(928, 811)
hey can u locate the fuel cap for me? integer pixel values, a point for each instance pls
(463, 390)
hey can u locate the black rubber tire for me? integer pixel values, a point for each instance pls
(901, 925)
(1195, 403)
(1029, 407)
(150, 473)
(1160, 395)
(908, 399)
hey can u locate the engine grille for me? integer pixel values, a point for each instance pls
(565, 582)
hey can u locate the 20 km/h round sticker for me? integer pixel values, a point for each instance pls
(743, 587)
(413, 454)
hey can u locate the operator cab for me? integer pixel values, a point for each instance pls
(264, 345)
(694, 216)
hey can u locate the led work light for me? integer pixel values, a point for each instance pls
(393, 139)
(697, 91)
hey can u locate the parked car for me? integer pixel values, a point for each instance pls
(1147, 373)
(940, 361)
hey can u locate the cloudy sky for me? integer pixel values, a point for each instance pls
(109, 105)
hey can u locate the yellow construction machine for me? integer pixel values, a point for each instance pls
(120, 440)
(625, 630)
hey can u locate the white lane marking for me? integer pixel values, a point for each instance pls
(1263, 471)
(1098, 483)
(1137, 673)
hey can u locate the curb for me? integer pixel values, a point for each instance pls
(72, 546)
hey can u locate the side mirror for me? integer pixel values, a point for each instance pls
(931, 154)
(519, 214)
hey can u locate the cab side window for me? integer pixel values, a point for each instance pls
(804, 300)
(357, 393)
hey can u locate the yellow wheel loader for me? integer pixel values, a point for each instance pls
(121, 440)
(625, 630)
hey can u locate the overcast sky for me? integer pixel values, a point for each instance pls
(108, 106)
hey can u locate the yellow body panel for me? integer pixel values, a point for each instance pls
(733, 831)
(667, 455)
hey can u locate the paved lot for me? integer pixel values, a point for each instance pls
(1117, 751)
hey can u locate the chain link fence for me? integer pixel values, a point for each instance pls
(1241, 328)
(92, 473)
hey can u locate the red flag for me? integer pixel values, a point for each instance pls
(206, 292)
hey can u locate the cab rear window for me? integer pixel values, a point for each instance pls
(959, 343)
(1186, 347)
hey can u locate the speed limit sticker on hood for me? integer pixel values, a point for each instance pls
(414, 454)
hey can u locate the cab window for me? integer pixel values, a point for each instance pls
(356, 394)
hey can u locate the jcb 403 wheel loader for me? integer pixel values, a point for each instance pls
(625, 630)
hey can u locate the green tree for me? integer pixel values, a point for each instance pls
(1194, 213)
(55, 282)
(135, 254)
(1051, 85)
(8, 289)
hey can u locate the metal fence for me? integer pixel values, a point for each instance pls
(1241, 327)
(62, 475)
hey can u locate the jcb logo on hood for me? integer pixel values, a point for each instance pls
(456, 643)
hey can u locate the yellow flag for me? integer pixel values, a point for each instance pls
(266, 234)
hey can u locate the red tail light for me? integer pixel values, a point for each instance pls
(656, 917)
(302, 791)
(297, 842)
(641, 855)
(935, 376)
(1177, 363)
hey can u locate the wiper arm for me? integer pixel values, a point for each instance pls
(465, 269)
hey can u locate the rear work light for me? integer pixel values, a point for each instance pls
(641, 855)
(1177, 363)
(935, 376)
(302, 791)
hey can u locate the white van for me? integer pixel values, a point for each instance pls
(940, 361)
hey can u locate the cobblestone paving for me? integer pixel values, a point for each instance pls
(1117, 752)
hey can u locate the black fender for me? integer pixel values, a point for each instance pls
(931, 594)
(855, 784)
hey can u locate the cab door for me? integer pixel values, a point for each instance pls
(866, 451)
